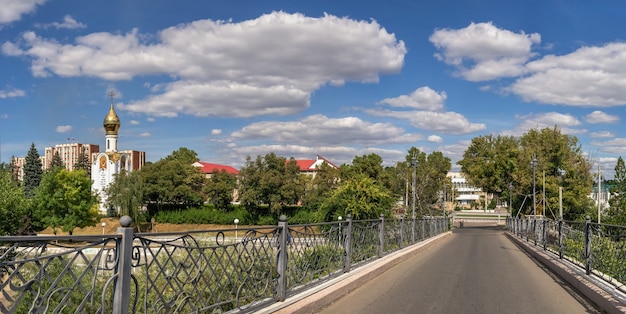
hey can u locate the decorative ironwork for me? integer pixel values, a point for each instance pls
(195, 271)
(598, 248)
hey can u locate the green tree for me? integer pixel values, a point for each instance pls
(561, 160)
(174, 180)
(359, 196)
(219, 189)
(370, 165)
(126, 195)
(616, 214)
(489, 162)
(64, 200)
(56, 161)
(430, 175)
(270, 180)
(325, 181)
(83, 162)
(33, 171)
(13, 205)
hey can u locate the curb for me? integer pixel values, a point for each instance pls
(314, 299)
(575, 277)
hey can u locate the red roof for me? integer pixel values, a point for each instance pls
(306, 164)
(311, 164)
(208, 167)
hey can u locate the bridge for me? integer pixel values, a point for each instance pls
(354, 266)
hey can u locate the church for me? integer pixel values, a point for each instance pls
(105, 165)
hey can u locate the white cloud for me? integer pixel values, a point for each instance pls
(4, 116)
(319, 130)
(266, 66)
(435, 139)
(601, 117)
(602, 134)
(423, 98)
(444, 122)
(69, 23)
(11, 92)
(482, 51)
(63, 128)
(216, 132)
(134, 122)
(12, 10)
(145, 134)
(594, 78)
(565, 122)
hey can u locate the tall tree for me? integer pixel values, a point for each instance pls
(219, 189)
(430, 174)
(65, 200)
(174, 180)
(56, 162)
(13, 205)
(83, 162)
(359, 196)
(326, 180)
(33, 171)
(561, 160)
(489, 162)
(616, 214)
(126, 195)
(270, 180)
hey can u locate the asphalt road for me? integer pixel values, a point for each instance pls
(475, 270)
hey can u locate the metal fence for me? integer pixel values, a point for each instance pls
(597, 248)
(194, 271)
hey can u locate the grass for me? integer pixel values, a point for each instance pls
(111, 225)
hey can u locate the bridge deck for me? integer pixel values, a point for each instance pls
(475, 270)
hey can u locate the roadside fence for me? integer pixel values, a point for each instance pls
(599, 249)
(225, 270)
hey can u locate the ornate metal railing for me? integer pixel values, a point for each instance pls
(194, 271)
(597, 248)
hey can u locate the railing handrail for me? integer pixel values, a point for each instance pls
(264, 263)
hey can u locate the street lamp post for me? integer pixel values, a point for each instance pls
(236, 221)
(533, 165)
(103, 225)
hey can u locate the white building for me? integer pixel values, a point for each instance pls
(107, 164)
(464, 193)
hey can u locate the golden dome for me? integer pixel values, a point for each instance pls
(111, 121)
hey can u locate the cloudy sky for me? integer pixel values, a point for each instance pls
(300, 78)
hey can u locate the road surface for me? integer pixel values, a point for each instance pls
(475, 270)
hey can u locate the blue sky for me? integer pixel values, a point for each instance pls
(300, 78)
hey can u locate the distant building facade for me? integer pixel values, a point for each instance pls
(463, 193)
(69, 153)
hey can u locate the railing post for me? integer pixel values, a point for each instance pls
(413, 230)
(588, 245)
(545, 233)
(281, 260)
(348, 243)
(535, 230)
(560, 238)
(401, 232)
(527, 227)
(423, 229)
(381, 236)
(121, 295)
